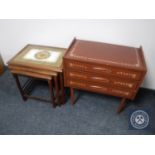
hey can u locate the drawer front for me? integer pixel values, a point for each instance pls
(123, 83)
(103, 70)
(127, 74)
(87, 86)
(88, 67)
(105, 89)
(101, 79)
(88, 77)
(120, 92)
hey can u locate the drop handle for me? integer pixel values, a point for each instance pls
(100, 79)
(77, 66)
(78, 75)
(102, 69)
(98, 87)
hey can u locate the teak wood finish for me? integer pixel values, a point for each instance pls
(104, 68)
(1, 69)
(1, 65)
(52, 74)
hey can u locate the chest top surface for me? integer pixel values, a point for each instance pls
(108, 54)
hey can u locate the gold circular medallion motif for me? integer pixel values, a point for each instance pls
(42, 55)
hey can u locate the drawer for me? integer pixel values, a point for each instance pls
(88, 67)
(100, 88)
(103, 70)
(120, 92)
(87, 86)
(116, 82)
(87, 77)
(127, 74)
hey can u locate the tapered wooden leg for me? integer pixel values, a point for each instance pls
(19, 86)
(72, 96)
(56, 89)
(51, 92)
(62, 89)
(122, 105)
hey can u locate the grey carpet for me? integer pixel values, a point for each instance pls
(92, 113)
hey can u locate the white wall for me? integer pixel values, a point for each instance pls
(15, 34)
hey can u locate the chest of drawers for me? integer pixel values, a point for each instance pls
(104, 68)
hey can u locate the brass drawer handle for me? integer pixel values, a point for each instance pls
(100, 79)
(102, 69)
(77, 66)
(77, 75)
(132, 75)
(126, 84)
(98, 87)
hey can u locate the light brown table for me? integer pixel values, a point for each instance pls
(39, 62)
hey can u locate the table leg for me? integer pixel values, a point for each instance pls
(19, 86)
(56, 89)
(122, 105)
(62, 89)
(51, 92)
(72, 95)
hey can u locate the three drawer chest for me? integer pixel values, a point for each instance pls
(104, 68)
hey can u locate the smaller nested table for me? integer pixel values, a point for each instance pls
(39, 62)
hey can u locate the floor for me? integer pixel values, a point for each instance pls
(93, 114)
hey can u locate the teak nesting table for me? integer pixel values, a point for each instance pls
(40, 62)
(104, 68)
